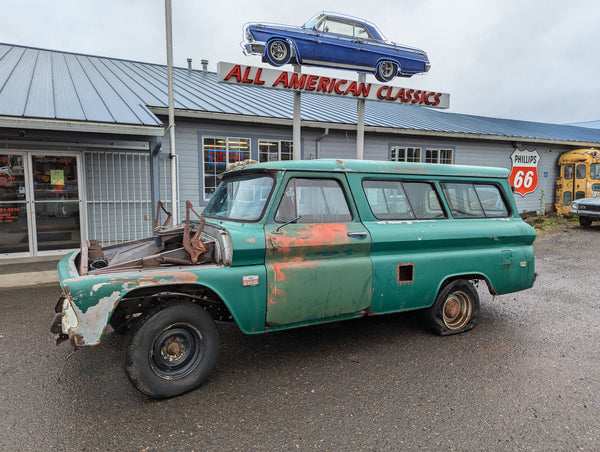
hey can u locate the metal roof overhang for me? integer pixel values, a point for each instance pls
(197, 114)
(80, 126)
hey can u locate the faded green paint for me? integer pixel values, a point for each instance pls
(312, 273)
(377, 167)
(316, 271)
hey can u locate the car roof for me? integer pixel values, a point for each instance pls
(373, 166)
(376, 33)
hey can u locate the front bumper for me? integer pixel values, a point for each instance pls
(585, 213)
(65, 321)
(253, 48)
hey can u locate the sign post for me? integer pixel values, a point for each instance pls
(296, 128)
(360, 121)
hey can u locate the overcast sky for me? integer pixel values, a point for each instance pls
(537, 60)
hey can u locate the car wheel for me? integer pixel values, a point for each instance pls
(455, 309)
(171, 349)
(278, 52)
(585, 222)
(386, 71)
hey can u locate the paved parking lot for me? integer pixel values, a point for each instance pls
(526, 378)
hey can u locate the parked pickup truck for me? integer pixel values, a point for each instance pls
(289, 244)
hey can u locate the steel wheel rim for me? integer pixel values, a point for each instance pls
(176, 351)
(457, 310)
(278, 50)
(387, 69)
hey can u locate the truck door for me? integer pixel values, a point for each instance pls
(317, 256)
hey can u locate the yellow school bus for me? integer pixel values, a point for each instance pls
(579, 171)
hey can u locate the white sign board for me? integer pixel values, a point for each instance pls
(307, 83)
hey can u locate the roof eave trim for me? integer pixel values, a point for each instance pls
(197, 114)
(80, 126)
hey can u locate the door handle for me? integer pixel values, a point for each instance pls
(359, 235)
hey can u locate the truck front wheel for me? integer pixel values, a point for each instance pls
(171, 349)
(585, 222)
(455, 309)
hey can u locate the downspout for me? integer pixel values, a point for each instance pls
(171, 128)
(325, 133)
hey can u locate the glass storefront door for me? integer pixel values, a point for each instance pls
(39, 203)
(55, 202)
(14, 228)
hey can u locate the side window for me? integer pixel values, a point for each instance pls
(475, 200)
(491, 201)
(580, 171)
(397, 200)
(424, 200)
(313, 201)
(360, 32)
(595, 171)
(339, 28)
(387, 200)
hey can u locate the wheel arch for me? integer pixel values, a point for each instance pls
(467, 277)
(388, 59)
(294, 54)
(246, 306)
(143, 298)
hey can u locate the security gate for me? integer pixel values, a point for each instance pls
(118, 198)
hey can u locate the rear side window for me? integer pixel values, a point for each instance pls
(313, 201)
(475, 200)
(402, 200)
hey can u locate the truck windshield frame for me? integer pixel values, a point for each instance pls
(242, 199)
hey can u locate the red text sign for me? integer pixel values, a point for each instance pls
(310, 83)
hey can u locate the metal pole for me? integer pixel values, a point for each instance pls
(360, 121)
(171, 128)
(296, 124)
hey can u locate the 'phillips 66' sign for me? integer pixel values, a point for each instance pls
(524, 174)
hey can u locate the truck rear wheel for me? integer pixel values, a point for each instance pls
(171, 349)
(455, 309)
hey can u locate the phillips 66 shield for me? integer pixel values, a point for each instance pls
(524, 174)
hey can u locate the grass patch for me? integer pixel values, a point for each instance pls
(551, 223)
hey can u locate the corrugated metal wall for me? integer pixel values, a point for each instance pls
(342, 144)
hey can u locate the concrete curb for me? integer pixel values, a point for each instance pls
(28, 279)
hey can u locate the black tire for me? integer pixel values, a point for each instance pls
(171, 349)
(118, 321)
(386, 71)
(278, 52)
(585, 222)
(455, 310)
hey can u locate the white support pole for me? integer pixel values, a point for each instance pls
(360, 122)
(296, 130)
(171, 128)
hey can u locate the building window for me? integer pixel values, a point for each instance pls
(443, 156)
(405, 154)
(217, 153)
(273, 150)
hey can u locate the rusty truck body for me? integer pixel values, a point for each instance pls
(289, 244)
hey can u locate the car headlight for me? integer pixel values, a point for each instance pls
(574, 205)
(249, 36)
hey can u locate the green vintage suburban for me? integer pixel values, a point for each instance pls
(295, 243)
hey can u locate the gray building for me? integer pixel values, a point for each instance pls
(83, 153)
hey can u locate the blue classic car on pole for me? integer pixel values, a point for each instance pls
(334, 40)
